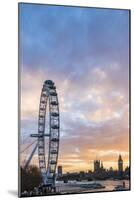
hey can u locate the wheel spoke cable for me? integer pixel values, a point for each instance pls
(28, 146)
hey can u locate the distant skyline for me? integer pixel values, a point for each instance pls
(85, 51)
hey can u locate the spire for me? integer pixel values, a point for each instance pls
(120, 158)
(101, 164)
(120, 164)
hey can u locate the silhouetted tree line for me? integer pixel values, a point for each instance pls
(30, 178)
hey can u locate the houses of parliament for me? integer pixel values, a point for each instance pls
(98, 173)
(98, 165)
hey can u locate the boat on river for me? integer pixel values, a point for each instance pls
(120, 187)
(90, 186)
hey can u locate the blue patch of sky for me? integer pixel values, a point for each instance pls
(63, 38)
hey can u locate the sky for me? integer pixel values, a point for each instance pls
(85, 51)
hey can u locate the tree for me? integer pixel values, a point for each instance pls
(30, 178)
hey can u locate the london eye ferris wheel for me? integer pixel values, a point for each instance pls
(47, 167)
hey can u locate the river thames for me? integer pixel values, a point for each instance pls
(76, 187)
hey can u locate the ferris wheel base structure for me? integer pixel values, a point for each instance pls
(48, 98)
